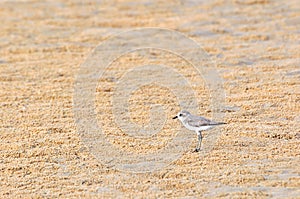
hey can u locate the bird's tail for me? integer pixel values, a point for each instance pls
(218, 123)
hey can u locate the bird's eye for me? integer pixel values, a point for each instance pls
(180, 115)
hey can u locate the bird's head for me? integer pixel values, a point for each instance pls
(182, 115)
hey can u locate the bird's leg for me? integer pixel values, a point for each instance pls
(199, 141)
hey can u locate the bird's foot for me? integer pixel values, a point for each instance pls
(196, 150)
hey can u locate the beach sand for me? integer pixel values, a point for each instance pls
(255, 47)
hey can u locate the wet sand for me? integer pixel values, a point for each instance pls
(255, 45)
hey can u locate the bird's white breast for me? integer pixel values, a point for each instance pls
(193, 128)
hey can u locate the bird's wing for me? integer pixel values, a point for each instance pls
(198, 121)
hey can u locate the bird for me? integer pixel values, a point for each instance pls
(197, 124)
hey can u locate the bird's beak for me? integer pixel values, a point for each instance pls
(175, 117)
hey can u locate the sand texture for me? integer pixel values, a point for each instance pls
(254, 46)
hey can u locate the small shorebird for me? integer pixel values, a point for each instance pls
(197, 124)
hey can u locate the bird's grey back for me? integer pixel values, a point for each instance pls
(197, 121)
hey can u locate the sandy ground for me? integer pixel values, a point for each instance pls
(255, 45)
